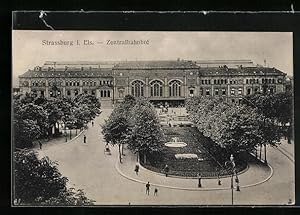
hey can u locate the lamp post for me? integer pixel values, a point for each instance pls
(66, 136)
(231, 166)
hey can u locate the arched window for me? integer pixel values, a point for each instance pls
(137, 88)
(175, 88)
(156, 88)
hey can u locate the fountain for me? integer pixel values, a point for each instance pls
(175, 143)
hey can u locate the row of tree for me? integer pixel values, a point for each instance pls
(37, 117)
(134, 122)
(38, 181)
(238, 128)
(277, 107)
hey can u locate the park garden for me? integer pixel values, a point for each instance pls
(220, 131)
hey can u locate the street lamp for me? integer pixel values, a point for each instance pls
(231, 166)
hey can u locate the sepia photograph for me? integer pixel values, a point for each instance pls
(152, 118)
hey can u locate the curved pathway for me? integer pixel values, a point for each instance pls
(88, 168)
(257, 173)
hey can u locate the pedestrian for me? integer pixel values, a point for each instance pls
(107, 150)
(84, 138)
(199, 180)
(40, 143)
(136, 169)
(148, 188)
(92, 123)
(219, 180)
(155, 191)
(167, 169)
(237, 181)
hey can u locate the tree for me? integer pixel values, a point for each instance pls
(117, 128)
(54, 112)
(29, 123)
(25, 132)
(146, 134)
(234, 128)
(277, 110)
(89, 104)
(278, 106)
(40, 182)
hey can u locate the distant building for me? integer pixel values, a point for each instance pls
(160, 81)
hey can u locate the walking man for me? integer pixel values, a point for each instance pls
(219, 180)
(148, 188)
(167, 169)
(40, 143)
(237, 181)
(199, 180)
(84, 138)
(136, 169)
(92, 123)
(155, 191)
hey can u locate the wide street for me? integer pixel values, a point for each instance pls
(90, 169)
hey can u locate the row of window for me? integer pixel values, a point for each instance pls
(240, 81)
(156, 88)
(93, 92)
(270, 81)
(94, 83)
(43, 84)
(104, 93)
(236, 91)
(72, 83)
(252, 81)
(136, 91)
(38, 84)
(219, 92)
(221, 81)
(177, 83)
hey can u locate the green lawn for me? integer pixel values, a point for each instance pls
(207, 166)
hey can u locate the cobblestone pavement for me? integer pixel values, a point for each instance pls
(88, 168)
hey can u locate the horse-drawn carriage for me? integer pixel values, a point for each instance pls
(107, 150)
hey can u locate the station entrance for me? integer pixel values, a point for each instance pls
(168, 103)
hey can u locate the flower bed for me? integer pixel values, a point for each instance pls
(186, 156)
(205, 164)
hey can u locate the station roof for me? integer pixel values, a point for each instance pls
(72, 72)
(252, 71)
(95, 69)
(176, 64)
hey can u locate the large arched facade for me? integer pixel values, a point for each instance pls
(156, 88)
(137, 88)
(175, 88)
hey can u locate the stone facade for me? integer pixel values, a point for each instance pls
(160, 81)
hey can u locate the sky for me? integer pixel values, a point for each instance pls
(29, 51)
